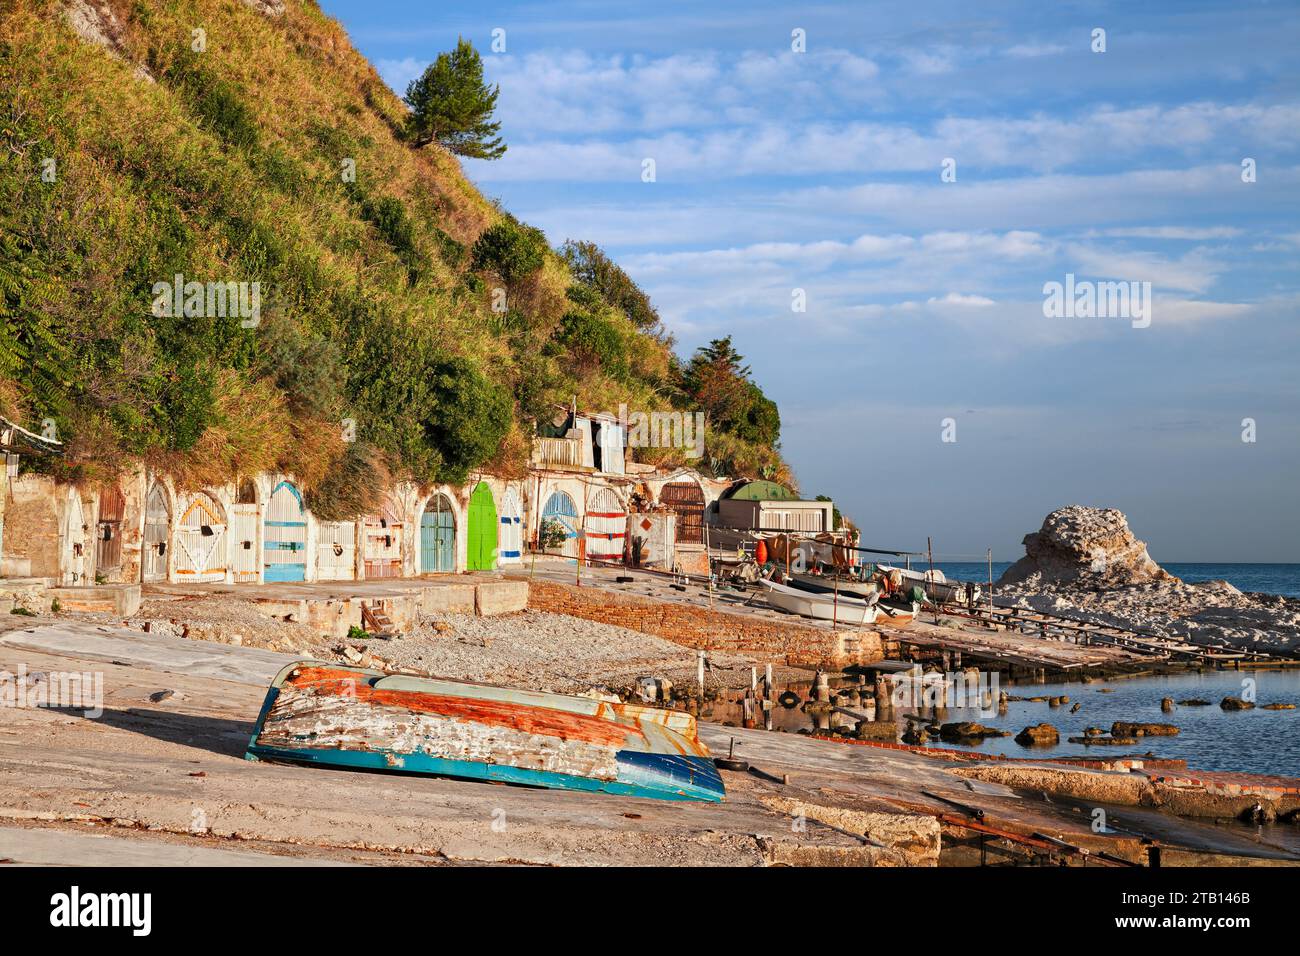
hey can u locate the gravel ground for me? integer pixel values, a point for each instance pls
(531, 649)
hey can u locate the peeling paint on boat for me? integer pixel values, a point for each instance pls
(362, 719)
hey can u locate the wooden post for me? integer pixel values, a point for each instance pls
(835, 607)
(699, 671)
(929, 557)
(990, 555)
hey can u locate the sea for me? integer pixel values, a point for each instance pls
(1283, 579)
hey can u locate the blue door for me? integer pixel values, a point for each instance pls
(286, 536)
(438, 537)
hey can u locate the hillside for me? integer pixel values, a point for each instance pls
(274, 155)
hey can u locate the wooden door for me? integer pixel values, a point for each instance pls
(482, 530)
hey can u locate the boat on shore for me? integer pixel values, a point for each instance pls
(933, 584)
(355, 718)
(825, 607)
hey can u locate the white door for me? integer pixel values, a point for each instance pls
(336, 551)
(243, 528)
(510, 539)
(201, 541)
(75, 537)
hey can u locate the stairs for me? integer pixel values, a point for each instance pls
(376, 620)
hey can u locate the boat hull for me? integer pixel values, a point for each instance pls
(823, 607)
(358, 719)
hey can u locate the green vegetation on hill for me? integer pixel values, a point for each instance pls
(277, 156)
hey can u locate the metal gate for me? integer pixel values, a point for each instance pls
(438, 537)
(481, 533)
(243, 528)
(286, 535)
(560, 508)
(383, 545)
(510, 544)
(686, 499)
(157, 522)
(605, 525)
(108, 537)
(201, 541)
(75, 535)
(336, 553)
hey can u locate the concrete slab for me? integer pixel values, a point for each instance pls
(97, 643)
(29, 846)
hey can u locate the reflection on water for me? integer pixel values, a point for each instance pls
(1254, 741)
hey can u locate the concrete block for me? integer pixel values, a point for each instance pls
(500, 597)
(448, 599)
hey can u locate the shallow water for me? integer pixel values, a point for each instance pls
(1253, 741)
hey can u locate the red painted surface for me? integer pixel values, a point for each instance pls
(527, 719)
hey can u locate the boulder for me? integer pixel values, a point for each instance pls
(1040, 735)
(1279, 706)
(969, 730)
(1090, 548)
(1236, 703)
(1167, 705)
(1193, 702)
(1122, 728)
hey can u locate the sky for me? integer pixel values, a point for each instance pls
(918, 174)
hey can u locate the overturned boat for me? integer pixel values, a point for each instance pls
(360, 719)
(826, 607)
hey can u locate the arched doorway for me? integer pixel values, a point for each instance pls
(510, 543)
(285, 535)
(157, 521)
(687, 500)
(438, 536)
(561, 509)
(605, 525)
(481, 554)
(75, 535)
(201, 541)
(108, 537)
(383, 545)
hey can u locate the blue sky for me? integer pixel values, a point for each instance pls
(821, 171)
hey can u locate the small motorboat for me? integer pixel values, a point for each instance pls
(867, 591)
(360, 719)
(845, 610)
(933, 584)
(894, 614)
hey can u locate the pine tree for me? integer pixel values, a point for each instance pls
(451, 105)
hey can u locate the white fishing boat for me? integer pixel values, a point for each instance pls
(933, 584)
(822, 606)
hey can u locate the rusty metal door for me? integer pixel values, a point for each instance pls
(157, 522)
(108, 537)
(336, 553)
(201, 541)
(606, 527)
(687, 500)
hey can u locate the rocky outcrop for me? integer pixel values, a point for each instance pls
(968, 730)
(1040, 735)
(1087, 548)
(1122, 728)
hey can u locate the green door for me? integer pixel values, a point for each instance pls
(482, 552)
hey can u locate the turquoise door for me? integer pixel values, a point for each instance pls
(438, 537)
(285, 536)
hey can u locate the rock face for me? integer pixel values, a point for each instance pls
(1087, 548)
(1041, 735)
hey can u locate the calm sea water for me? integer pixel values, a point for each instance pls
(1281, 579)
(1255, 741)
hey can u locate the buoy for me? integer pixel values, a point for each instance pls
(760, 553)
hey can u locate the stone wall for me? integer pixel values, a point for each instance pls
(699, 627)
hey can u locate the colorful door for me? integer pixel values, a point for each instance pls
(510, 542)
(438, 537)
(482, 532)
(606, 527)
(157, 520)
(201, 541)
(286, 535)
(336, 552)
(561, 509)
(243, 529)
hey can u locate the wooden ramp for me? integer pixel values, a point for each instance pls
(1014, 648)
